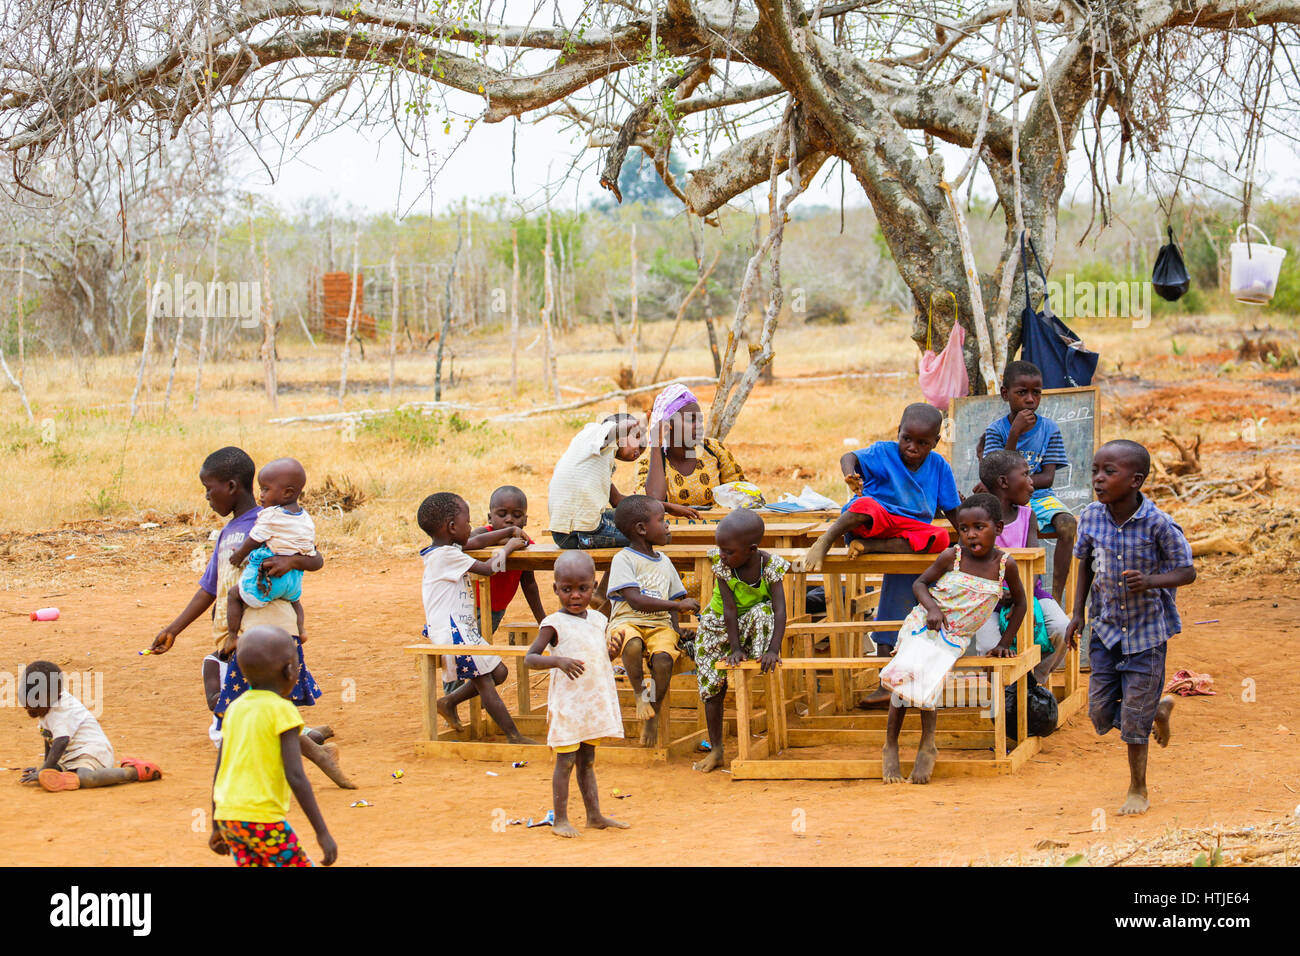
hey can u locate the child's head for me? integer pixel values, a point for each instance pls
(641, 519)
(979, 522)
(225, 473)
(507, 508)
(39, 687)
(281, 482)
(738, 536)
(1005, 474)
(268, 657)
(630, 436)
(444, 517)
(1118, 470)
(575, 580)
(918, 433)
(1022, 386)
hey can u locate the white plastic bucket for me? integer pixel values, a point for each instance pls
(1255, 268)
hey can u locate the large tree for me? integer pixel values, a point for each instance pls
(739, 86)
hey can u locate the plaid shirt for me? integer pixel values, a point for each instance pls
(1149, 541)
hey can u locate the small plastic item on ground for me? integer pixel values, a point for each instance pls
(738, 494)
(1187, 683)
(546, 821)
(519, 763)
(46, 614)
(492, 773)
(806, 500)
(704, 746)
(144, 653)
(361, 803)
(1255, 267)
(398, 774)
(620, 794)
(149, 524)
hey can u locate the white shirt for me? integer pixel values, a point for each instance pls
(448, 598)
(70, 718)
(579, 489)
(283, 532)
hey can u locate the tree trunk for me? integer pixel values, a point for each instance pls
(548, 307)
(348, 325)
(268, 331)
(446, 316)
(392, 340)
(514, 312)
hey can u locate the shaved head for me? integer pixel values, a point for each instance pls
(575, 566)
(922, 416)
(1132, 453)
(284, 471)
(264, 653)
(742, 526)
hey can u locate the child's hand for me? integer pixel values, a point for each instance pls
(854, 481)
(329, 849)
(1025, 419)
(735, 657)
(571, 667)
(934, 620)
(276, 565)
(1001, 651)
(688, 606)
(217, 844)
(615, 644)
(30, 774)
(1072, 631)
(163, 642)
(302, 635)
(1136, 581)
(681, 511)
(979, 489)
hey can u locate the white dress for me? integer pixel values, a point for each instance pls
(586, 707)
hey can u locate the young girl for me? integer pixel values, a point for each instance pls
(449, 611)
(955, 596)
(745, 620)
(583, 703)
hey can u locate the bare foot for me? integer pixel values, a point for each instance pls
(1160, 730)
(603, 822)
(448, 713)
(879, 546)
(325, 731)
(889, 770)
(645, 707)
(650, 732)
(1136, 802)
(327, 760)
(521, 739)
(564, 829)
(712, 761)
(923, 768)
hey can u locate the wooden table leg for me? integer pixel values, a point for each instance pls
(523, 688)
(998, 704)
(741, 677)
(430, 689)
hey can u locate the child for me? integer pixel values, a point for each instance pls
(898, 488)
(1039, 440)
(282, 527)
(507, 516)
(955, 596)
(582, 706)
(647, 596)
(260, 761)
(77, 754)
(1131, 558)
(1006, 476)
(745, 620)
(227, 479)
(581, 495)
(449, 608)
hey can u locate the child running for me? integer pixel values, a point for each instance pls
(582, 706)
(955, 596)
(647, 596)
(1039, 440)
(282, 527)
(507, 517)
(259, 762)
(1006, 476)
(1132, 557)
(449, 609)
(745, 620)
(77, 753)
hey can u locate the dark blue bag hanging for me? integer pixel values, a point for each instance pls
(1048, 342)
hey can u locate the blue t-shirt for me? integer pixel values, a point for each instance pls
(228, 542)
(1041, 445)
(919, 494)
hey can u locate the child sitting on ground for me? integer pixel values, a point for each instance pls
(1006, 476)
(745, 620)
(282, 527)
(955, 596)
(449, 610)
(898, 488)
(507, 516)
(1132, 556)
(582, 706)
(647, 596)
(77, 753)
(260, 761)
(1039, 440)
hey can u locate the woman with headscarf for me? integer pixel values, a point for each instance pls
(681, 466)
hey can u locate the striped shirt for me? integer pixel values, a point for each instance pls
(1149, 541)
(1041, 445)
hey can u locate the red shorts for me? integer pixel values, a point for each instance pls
(921, 537)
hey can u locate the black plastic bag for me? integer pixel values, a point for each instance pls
(1043, 711)
(1048, 342)
(1170, 276)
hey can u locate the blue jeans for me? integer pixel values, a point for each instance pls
(1124, 689)
(606, 535)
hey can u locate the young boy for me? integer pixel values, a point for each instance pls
(507, 516)
(282, 527)
(260, 761)
(449, 609)
(77, 754)
(1131, 558)
(1039, 440)
(647, 596)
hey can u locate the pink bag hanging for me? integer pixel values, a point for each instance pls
(943, 376)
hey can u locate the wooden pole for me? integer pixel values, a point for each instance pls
(514, 312)
(148, 326)
(347, 331)
(268, 331)
(397, 310)
(22, 315)
(548, 307)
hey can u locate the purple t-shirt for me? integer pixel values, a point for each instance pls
(228, 542)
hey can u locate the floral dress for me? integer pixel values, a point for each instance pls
(923, 659)
(754, 618)
(715, 466)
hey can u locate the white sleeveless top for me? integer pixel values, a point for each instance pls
(584, 708)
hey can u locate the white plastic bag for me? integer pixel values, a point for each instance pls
(738, 495)
(943, 377)
(806, 500)
(924, 658)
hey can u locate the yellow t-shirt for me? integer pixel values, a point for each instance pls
(250, 785)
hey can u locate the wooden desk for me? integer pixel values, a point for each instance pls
(776, 534)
